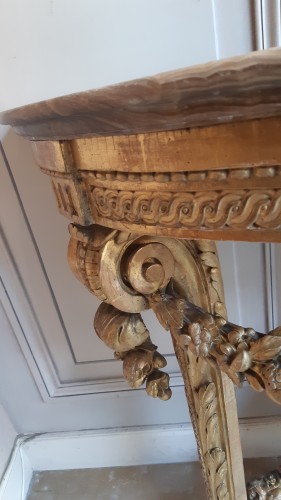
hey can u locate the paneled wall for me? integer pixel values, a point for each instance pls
(56, 374)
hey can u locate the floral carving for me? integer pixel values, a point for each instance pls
(267, 487)
(242, 353)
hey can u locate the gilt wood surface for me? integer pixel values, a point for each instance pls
(188, 154)
(240, 88)
(220, 182)
(131, 273)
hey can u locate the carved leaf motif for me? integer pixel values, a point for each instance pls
(213, 294)
(222, 492)
(207, 394)
(221, 472)
(122, 236)
(218, 470)
(236, 377)
(169, 312)
(210, 259)
(254, 381)
(217, 455)
(241, 362)
(206, 245)
(211, 408)
(276, 332)
(266, 348)
(212, 428)
(220, 309)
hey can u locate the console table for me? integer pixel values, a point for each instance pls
(150, 173)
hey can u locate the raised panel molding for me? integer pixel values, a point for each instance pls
(234, 27)
(267, 16)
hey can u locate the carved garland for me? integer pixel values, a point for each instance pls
(242, 353)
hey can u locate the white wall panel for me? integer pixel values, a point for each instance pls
(51, 48)
(233, 24)
(20, 397)
(245, 281)
(270, 13)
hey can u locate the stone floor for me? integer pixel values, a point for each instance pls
(147, 482)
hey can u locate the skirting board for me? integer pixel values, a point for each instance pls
(122, 447)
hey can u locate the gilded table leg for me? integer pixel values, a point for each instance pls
(131, 273)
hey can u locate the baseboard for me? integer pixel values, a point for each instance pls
(122, 447)
(18, 473)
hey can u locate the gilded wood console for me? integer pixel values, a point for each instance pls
(151, 173)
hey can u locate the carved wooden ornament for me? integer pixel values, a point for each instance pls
(149, 172)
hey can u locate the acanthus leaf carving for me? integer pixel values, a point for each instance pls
(168, 310)
(265, 348)
(206, 403)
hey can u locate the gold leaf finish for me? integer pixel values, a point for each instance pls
(137, 272)
(213, 454)
(118, 330)
(204, 210)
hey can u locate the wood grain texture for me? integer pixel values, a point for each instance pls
(235, 89)
(231, 145)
